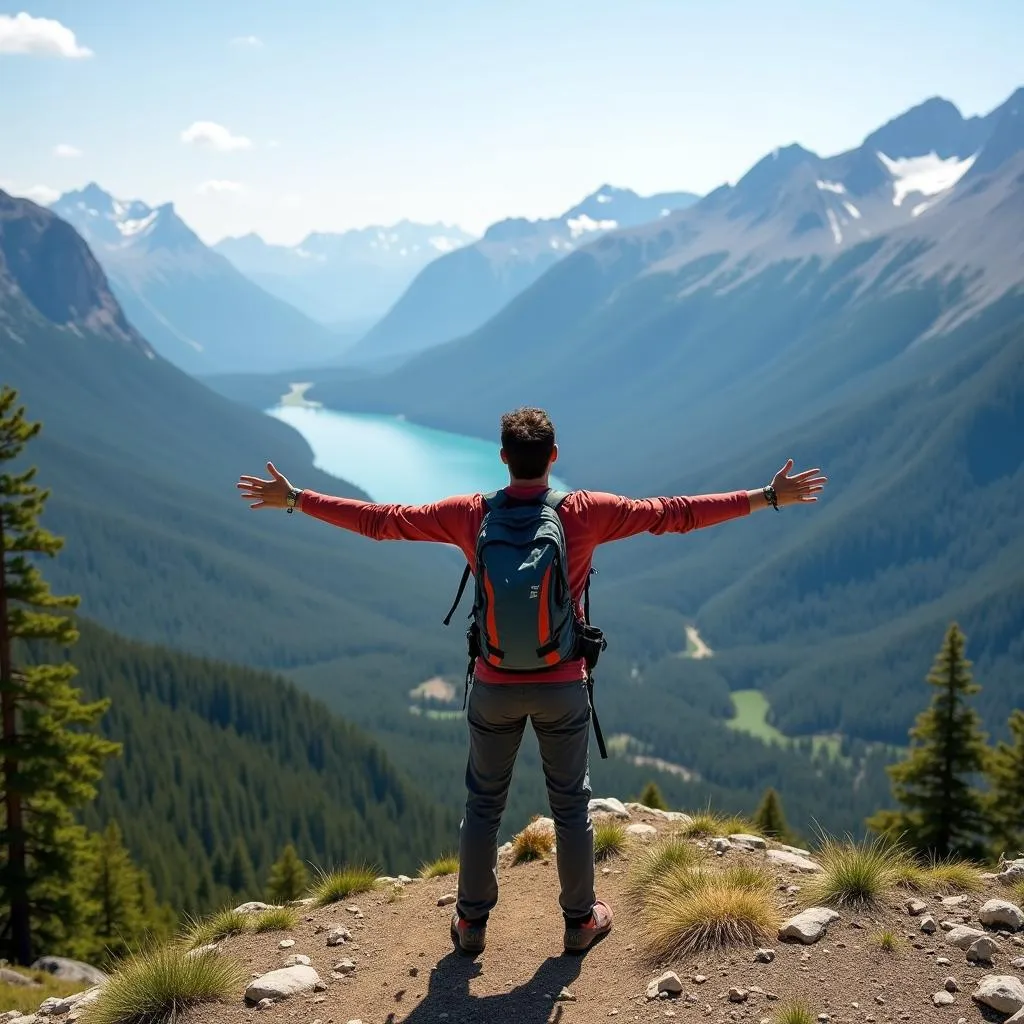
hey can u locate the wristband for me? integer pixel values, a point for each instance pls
(771, 497)
(293, 499)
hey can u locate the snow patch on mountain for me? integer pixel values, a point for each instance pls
(832, 186)
(138, 225)
(583, 224)
(926, 175)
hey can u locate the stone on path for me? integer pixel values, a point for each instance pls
(1001, 992)
(298, 958)
(764, 956)
(943, 998)
(447, 899)
(253, 907)
(745, 839)
(785, 859)
(915, 908)
(981, 950)
(738, 995)
(1011, 871)
(286, 944)
(344, 967)
(338, 935)
(282, 983)
(609, 805)
(963, 937)
(809, 925)
(641, 831)
(955, 901)
(1002, 912)
(928, 925)
(668, 983)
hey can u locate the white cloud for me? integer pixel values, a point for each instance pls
(290, 201)
(216, 187)
(248, 42)
(66, 151)
(38, 37)
(211, 135)
(41, 194)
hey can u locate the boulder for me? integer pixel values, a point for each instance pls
(82, 1003)
(9, 977)
(56, 1006)
(797, 861)
(641, 831)
(745, 839)
(609, 805)
(70, 970)
(668, 983)
(1010, 871)
(1002, 912)
(809, 925)
(282, 983)
(1000, 992)
(254, 907)
(982, 950)
(963, 937)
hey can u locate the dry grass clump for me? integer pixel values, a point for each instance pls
(946, 877)
(533, 843)
(856, 874)
(708, 823)
(658, 860)
(794, 1013)
(696, 909)
(888, 941)
(342, 883)
(1017, 891)
(203, 931)
(25, 998)
(275, 919)
(446, 864)
(160, 985)
(610, 838)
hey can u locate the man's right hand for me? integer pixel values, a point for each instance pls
(272, 493)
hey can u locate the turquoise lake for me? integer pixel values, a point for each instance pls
(393, 460)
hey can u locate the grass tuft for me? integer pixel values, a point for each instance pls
(226, 922)
(855, 874)
(656, 861)
(888, 941)
(275, 919)
(446, 864)
(1017, 891)
(609, 839)
(341, 884)
(794, 1013)
(694, 910)
(532, 844)
(708, 823)
(158, 986)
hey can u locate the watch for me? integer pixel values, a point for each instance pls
(292, 500)
(771, 497)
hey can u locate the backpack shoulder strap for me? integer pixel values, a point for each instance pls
(495, 499)
(553, 499)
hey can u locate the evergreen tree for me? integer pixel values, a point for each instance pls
(51, 760)
(287, 880)
(651, 797)
(941, 813)
(240, 877)
(1005, 802)
(770, 819)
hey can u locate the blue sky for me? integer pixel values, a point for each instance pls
(341, 114)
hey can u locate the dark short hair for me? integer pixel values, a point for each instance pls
(528, 438)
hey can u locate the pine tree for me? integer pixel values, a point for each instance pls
(770, 819)
(240, 876)
(51, 759)
(651, 797)
(287, 879)
(117, 888)
(941, 812)
(1005, 802)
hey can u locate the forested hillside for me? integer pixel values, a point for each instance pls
(223, 766)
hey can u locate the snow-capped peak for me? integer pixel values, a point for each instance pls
(583, 224)
(926, 175)
(134, 226)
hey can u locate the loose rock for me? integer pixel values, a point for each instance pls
(447, 899)
(950, 985)
(1002, 912)
(1010, 871)
(786, 859)
(668, 983)
(738, 995)
(253, 907)
(982, 950)
(809, 926)
(964, 937)
(344, 967)
(954, 901)
(609, 805)
(641, 831)
(916, 907)
(338, 935)
(928, 925)
(720, 844)
(282, 983)
(943, 998)
(745, 839)
(764, 956)
(565, 996)
(286, 944)
(1000, 992)
(298, 958)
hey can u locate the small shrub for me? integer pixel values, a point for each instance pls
(202, 931)
(794, 1013)
(697, 910)
(855, 874)
(888, 941)
(710, 823)
(158, 986)
(609, 839)
(275, 919)
(333, 886)
(446, 864)
(657, 861)
(532, 843)
(651, 797)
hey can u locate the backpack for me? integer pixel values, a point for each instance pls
(523, 617)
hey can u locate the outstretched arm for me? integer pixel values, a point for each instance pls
(610, 517)
(445, 522)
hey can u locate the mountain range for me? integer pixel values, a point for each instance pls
(195, 308)
(863, 311)
(462, 289)
(347, 279)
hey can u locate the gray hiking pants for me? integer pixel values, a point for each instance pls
(560, 713)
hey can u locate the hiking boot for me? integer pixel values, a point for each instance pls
(469, 938)
(579, 938)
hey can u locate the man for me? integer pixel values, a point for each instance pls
(555, 698)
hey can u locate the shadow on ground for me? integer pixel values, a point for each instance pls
(534, 1002)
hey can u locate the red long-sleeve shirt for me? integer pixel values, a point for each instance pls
(589, 518)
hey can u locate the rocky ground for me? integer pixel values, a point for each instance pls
(386, 957)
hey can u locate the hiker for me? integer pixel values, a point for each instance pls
(531, 650)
